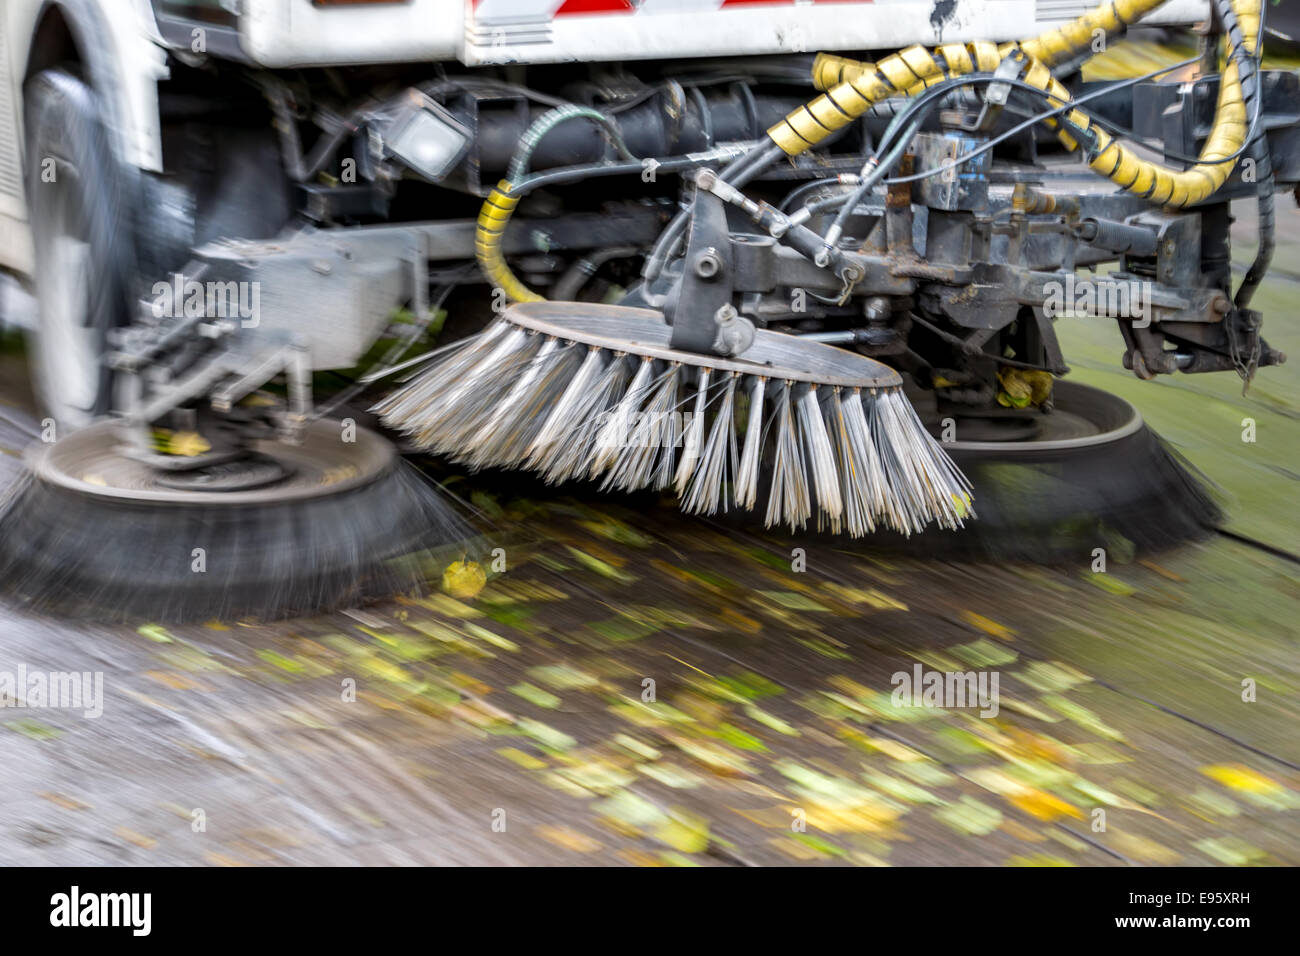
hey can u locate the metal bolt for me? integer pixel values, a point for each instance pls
(708, 264)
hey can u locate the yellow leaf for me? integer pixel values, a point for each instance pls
(463, 579)
(746, 625)
(992, 628)
(525, 760)
(189, 444)
(862, 817)
(685, 832)
(640, 858)
(183, 444)
(1043, 805)
(608, 569)
(139, 839)
(68, 803)
(1238, 777)
(893, 748)
(568, 839)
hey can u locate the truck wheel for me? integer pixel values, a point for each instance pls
(81, 230)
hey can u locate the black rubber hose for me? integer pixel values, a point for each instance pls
(1259, 152)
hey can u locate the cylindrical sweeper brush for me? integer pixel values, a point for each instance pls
(576, 390)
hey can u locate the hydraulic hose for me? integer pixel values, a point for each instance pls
(853, 88)
(916, 68)
(1226, 139)
(841, 106)
(1259, 153)
(492, 221)
(829, 71)
(1065, 42)
(500, 204)
(1050, 48)
(494, 215)
(538, 129)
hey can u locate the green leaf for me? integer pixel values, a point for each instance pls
(535, 695)
(794, 601)
(155, 632)
(33, 729)
(603, 568)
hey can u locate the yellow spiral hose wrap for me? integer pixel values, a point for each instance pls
(830, 71)
(1057, 46)
(849, 82)
(492, 221)
(900, 74)
(909, 71)
(1169, 187)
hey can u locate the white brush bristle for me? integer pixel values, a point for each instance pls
(513, 398)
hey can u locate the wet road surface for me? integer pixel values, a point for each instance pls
(640, 688)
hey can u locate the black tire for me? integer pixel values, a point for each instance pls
(79, 202)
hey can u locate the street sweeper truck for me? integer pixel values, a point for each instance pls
(800, 259)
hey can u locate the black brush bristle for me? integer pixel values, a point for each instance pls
(72, 554)
(1134, 495)
(1060, 506)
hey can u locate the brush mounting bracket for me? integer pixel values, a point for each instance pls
(699, 306)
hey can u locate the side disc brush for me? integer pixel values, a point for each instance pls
(320, 524)
(585, 391)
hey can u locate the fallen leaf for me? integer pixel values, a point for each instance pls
(463, 579)
(525, 760)
(1044, 806)
(990, 627)
(1239, 777)
(970, 816)
(684, 832)
(68, 803)
(569, 839)
(139, 839)
(535, 695)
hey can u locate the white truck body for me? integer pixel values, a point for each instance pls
(476, 32)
